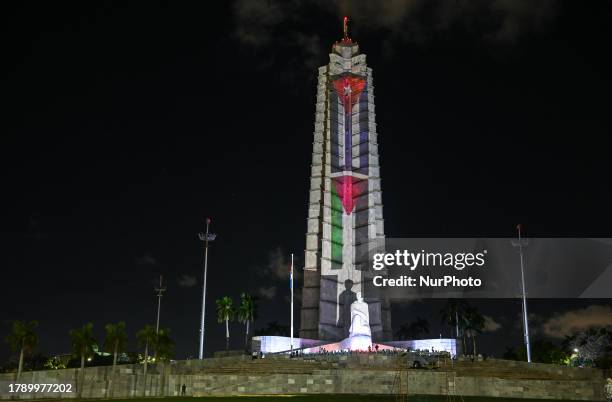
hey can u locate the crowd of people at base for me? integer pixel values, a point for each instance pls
(346, 352)
(376, 350)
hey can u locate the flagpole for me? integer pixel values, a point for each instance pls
(291, 286)
(525, 318)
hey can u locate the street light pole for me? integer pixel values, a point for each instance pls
(160, 292)
(206, 237)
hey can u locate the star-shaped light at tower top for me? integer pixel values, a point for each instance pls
(347, 89)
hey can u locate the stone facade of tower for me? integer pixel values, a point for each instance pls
(345, 218)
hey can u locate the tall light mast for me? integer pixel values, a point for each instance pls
(160, 292)
(205, 237)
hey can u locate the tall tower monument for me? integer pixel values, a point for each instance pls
(345, 217)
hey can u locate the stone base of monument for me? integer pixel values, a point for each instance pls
(360, 339)
(436, 345)
(282, 344)
(357, 342)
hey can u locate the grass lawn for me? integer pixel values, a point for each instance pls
(327, 398)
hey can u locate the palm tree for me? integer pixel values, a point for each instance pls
(22, 338)
(83, 344)
(163, 345)
(247, 312)
(146, 337)
(115, 341)
(452, 312)
(225, 312)
(453, 315)
(473, 324)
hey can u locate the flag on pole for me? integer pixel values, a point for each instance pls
(291, 277)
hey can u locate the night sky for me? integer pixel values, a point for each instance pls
(124, 126)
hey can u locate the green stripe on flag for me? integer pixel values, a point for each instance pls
(336, 228)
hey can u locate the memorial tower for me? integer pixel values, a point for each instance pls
(345, 218)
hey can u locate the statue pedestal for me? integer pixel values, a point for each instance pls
(356, 343)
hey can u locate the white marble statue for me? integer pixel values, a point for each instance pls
(360, 318)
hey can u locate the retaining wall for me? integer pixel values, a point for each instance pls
(362, 374)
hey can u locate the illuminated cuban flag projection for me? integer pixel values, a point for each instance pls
(345, 217)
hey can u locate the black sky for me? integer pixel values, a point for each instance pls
(123, 126)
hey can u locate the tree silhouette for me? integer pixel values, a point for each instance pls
(83, 344)
(591, 344)
(473, 324)
(22, 338)
(146, 338)
(247, 312)
(225, 312)
(452, 314)
(115, 340)
(163, 345)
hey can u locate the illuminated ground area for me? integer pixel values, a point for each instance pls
(331, 398)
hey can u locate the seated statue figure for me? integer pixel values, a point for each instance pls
(360, 318)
